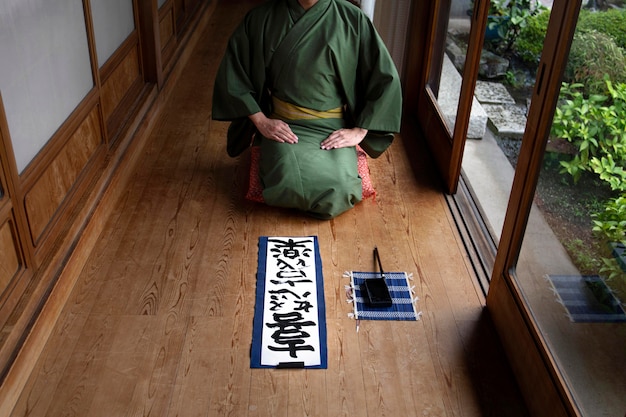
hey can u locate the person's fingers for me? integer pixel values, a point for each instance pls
(288, 134)
(279, 131)
(341, 138)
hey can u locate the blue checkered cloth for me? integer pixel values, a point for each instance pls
(403, 299)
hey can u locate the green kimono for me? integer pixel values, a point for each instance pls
(324, 58)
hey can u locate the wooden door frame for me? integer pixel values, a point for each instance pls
(13, 214)
(12, 189)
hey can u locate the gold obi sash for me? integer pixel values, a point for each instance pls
(288, 111)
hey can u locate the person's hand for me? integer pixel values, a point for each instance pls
(273, 129)
(344, 138)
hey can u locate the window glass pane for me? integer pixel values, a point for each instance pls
(449, 89)
(45, 69)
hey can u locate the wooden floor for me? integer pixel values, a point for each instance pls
(160, 320)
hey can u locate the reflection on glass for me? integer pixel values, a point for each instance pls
(452, 67)
(571, 268)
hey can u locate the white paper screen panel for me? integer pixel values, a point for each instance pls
(45, 69)
(113, 21)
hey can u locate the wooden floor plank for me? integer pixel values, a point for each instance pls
(267, 393)
(78, 383)
(230, 388)
(345, 384)
(39, 391)
(307, 393)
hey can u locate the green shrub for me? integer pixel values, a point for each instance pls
(611, 223)
(610, 226)
(597, 49)
(612, 22)
(597, 127)
(510, 17)
(593, 56)
(529, 43)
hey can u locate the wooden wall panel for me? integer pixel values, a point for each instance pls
(180, 14)
(58, 204)
(15, 272)
(52, 187)
(191, 5)
(9, 254)
(118, 84)
(166, 34)
(184, 11)
(14, 275)
(150, 39)
(3, 183)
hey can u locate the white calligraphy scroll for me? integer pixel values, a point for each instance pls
(289, 323)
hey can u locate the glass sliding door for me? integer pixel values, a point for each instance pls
(569, 276)
(556, 288)
(557, 292)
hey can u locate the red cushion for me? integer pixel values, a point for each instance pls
(255, 189)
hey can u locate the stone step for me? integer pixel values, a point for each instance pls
(493, 106)
(448, 101)
(506, 117)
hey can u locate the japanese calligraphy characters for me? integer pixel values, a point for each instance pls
(293, 328)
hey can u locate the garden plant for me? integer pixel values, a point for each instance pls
(596, 126)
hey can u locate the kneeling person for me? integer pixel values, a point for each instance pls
(311, 80)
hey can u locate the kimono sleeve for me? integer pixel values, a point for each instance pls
(379, 103)
(236, 91)
(239, 86)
